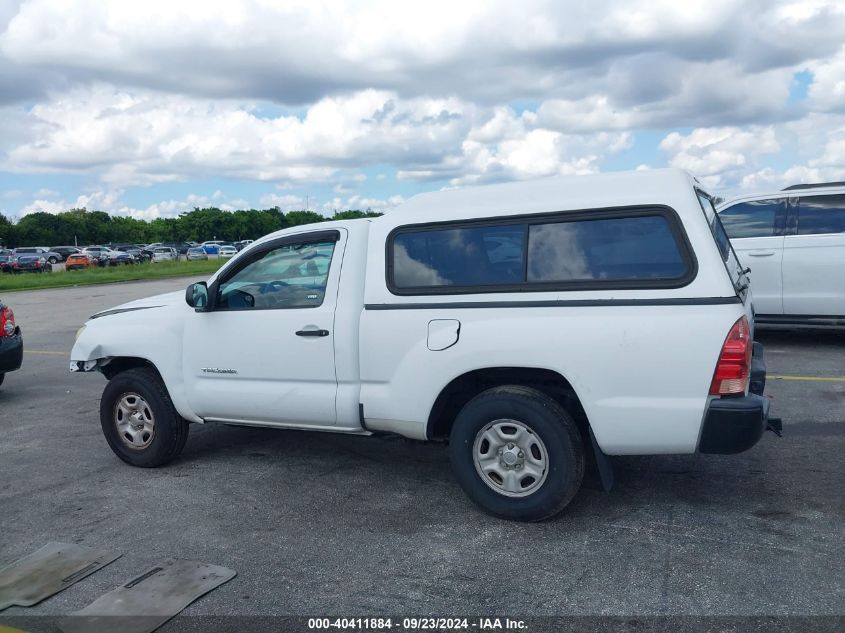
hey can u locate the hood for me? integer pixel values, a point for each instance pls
(158, 301)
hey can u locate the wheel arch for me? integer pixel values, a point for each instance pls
(460, 390)
(113, 365)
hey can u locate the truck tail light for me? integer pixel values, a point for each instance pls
(7, 322)
(734, 366)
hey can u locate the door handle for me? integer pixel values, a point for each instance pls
(761, 253)
(312, 333)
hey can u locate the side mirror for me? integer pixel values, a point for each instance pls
(196, 296)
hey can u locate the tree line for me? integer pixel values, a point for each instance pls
(84, 227)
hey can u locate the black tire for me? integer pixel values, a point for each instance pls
(171, 429)
(53, 260)
(548, 421)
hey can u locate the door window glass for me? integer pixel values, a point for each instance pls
(821, 214)
(751, 219)
(290, 276)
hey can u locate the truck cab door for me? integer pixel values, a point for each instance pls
(263, 351)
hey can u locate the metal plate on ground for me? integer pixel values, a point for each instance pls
(147, 601)
(54, 567)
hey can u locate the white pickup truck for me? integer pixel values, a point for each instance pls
(529, 324)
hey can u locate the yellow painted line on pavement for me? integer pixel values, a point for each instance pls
(45, 352)
(810, 378)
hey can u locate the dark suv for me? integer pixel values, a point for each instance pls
(64, 251)
(181, 247)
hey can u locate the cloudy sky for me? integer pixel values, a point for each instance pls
(151, 108)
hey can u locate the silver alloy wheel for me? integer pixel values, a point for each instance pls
(510, 458)
(134, 421)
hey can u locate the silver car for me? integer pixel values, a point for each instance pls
(51, 256)
(163, 254)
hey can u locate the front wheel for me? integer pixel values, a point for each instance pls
(517, 453)
(139, 420)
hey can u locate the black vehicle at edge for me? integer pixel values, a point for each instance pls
(11, 342)
(7, 257)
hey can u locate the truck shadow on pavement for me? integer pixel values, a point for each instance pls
(385, 474)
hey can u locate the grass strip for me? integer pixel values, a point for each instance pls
(108, 275)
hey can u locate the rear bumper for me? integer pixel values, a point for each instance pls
(733, 425)
(11, 352)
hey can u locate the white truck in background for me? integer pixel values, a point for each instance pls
(529, 324)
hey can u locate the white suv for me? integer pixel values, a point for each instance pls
(794, 243)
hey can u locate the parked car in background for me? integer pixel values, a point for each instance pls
(196, 253)
(240, 245)
(794, 243)
(227, 251)
(65, 251)
(212, 247)
(97, 254)
(11, 342)
(105, 256)
(180, 247)
(121, 258)
(163, 254)
(139, 255)
(50, 256)
(6, 259)
(31, 264)
(617, 321)
(78, 261)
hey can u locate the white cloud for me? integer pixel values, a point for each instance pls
(111, 201)
(287, 202)
(486, 50)
(827, 90)
(730, 160)
(142, 138)
(44, 206)
(304, 95)
(718, 154)
(361, 203)
(128, 139)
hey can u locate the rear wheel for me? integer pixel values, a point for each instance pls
(53, 260)
(139, 420)
(517, 453)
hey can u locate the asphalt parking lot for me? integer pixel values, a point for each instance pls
(321, 524)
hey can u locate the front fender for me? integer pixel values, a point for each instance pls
(120, 336)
